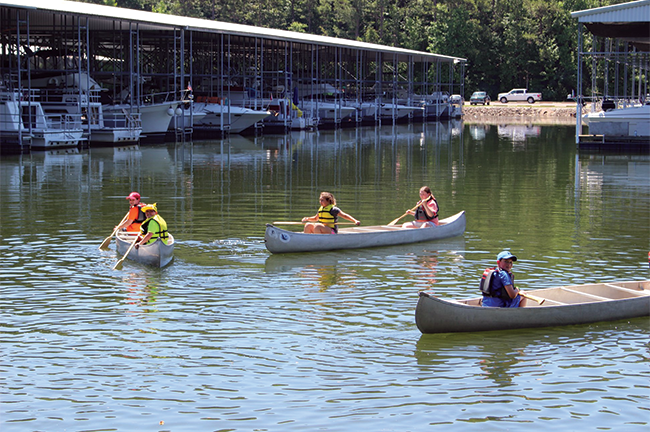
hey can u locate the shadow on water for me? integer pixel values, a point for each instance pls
(425, 253)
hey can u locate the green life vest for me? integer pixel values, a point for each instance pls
(162, 232)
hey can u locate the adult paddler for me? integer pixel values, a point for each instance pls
(153, 228)
(136, 216)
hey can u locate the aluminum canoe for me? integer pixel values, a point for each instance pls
(156, 254)
(278, 240)
(564, 305)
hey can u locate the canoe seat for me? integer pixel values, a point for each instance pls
(593, 296)
(639, 293)
(369, 229)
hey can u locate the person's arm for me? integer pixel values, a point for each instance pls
(125, 224)
(133, 215)
(348, 217)
(151, 228)
(430, 207)
(412, 212)
(144, 240)
(509, 285)
(512, 291)
(310, 218)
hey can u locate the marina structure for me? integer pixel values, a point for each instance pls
(157, 77)
(617, 44)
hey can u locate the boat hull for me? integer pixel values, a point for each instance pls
(233, 118)
(278, 240)
(569, 305)
(157, 254)
(632, 121)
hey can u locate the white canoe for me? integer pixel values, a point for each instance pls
(278, 240)
(156, 254)
(565, 305)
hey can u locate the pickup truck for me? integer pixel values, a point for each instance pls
(519, 95)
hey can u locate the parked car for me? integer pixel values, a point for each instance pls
(456, 99)
(479, 97)
(519, 95)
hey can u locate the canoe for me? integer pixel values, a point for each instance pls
(278, 240)
(156, 254)
(564, 305)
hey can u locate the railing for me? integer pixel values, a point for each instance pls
(129, 121)
(63, 122)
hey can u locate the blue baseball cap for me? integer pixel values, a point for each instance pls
(506, 255)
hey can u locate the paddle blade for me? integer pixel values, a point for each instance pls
(106, 242)
(118, 265)
(393, 222)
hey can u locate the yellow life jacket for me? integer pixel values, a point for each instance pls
(327, 218)
(163, 234)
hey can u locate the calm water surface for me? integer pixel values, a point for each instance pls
(230, 338)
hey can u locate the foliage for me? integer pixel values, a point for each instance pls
(507, 43)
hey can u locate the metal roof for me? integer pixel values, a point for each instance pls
(197, 24)
(636, 11)
(626, 21)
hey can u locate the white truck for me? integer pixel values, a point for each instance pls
(519, 95)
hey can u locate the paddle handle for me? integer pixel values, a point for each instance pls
(107, 240)
(533, 297)
(393, 222)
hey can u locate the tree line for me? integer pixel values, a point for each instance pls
(507, 43)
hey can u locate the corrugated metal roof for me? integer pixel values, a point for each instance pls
(70, 7)
(636, 11)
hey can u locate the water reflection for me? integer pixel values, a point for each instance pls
(518, 132)
(416, 263)
(140, 293)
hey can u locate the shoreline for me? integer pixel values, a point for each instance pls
(551, 113)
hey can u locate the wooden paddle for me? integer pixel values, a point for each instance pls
(118, 265)
(107, 240)
(302, 223)
(413, 209)
(534, 298)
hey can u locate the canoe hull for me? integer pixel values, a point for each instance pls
(157, 254)
(278, 240)
(580, 306)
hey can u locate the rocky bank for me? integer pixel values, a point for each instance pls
(519, 113)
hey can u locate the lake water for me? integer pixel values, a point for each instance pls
(230, 338)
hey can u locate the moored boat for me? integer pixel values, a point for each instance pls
(631, 121)
(278, 240)
(156, 254)
(564, 305)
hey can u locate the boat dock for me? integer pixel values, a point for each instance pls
(130, 75)
(616, 44)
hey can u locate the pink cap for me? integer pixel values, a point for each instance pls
(133, 195)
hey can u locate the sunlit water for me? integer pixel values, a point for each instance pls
(229, 337)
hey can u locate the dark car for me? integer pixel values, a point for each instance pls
(479, 97)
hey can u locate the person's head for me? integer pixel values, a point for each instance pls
(133, 198)
(425, 192)
(150, 210)
(326, 199)
(505, 260)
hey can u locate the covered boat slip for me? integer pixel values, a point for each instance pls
(278, 240)
(156, 254)
(142, 58)
(616, 44)
(565, 305)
